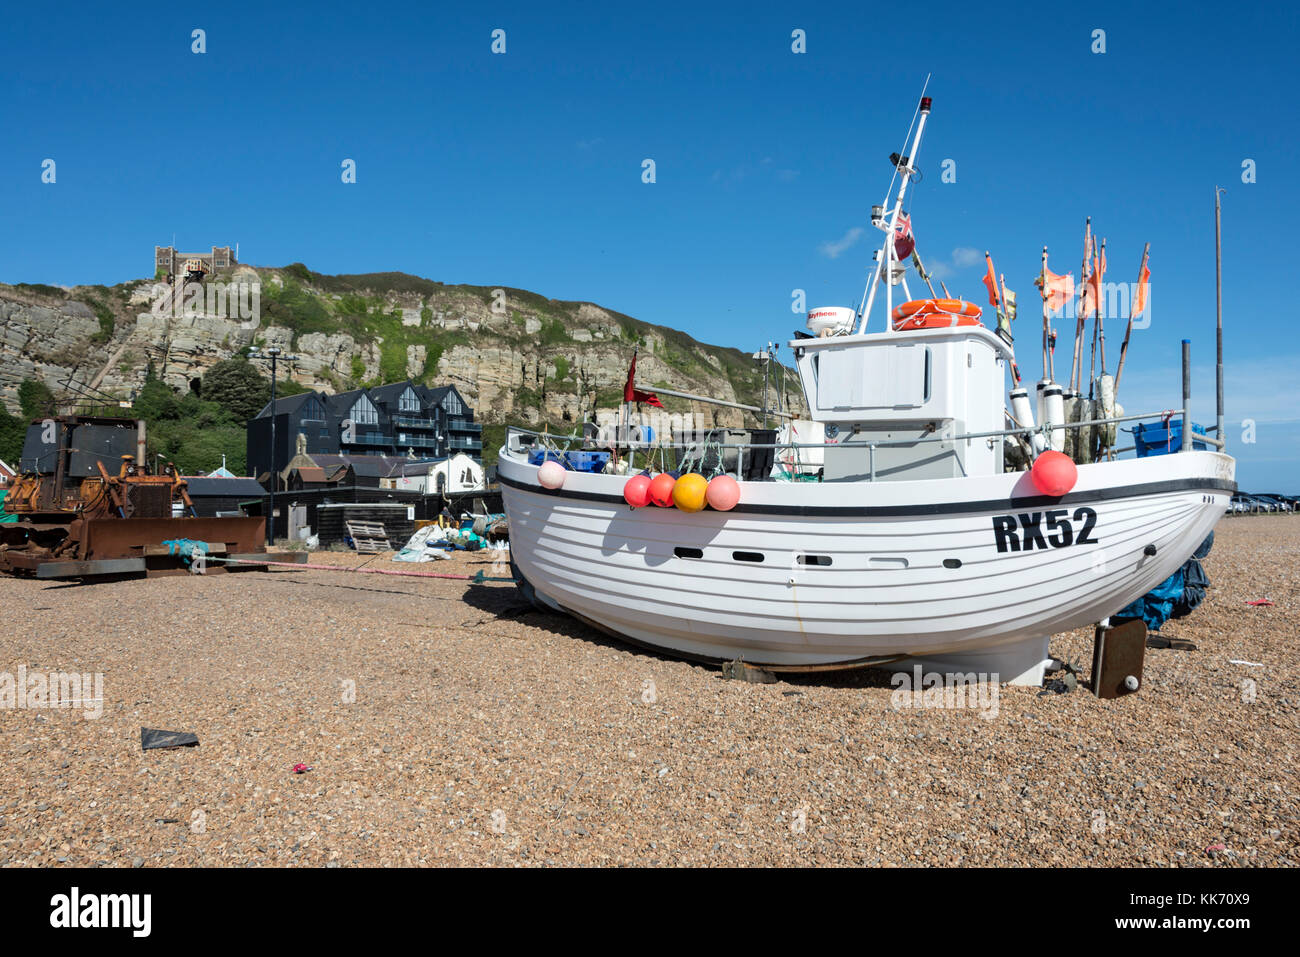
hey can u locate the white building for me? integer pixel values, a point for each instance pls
(458, 473)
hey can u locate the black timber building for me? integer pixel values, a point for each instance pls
(401, 419)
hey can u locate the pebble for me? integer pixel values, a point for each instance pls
(484, 708)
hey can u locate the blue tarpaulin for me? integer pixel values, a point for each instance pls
(1176, 596)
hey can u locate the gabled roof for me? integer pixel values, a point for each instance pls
(435, 394)
(419, 468)
(383, 397)
(393, 391)
(375, 466)
(6, 468)
(291, 403)
(341, 403)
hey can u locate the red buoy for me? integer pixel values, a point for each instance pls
(1054, 473)
(661, 490)
(637, 491)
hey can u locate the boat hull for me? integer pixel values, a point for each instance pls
(824, 575)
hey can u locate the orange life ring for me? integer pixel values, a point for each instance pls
(924, 307)
(935, 320)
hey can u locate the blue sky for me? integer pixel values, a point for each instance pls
(525, 169)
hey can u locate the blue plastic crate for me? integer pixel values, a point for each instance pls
(538, 456)
(1158, 438)
(587, 461)
(573, 461)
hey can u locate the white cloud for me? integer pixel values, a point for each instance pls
(965, 256)
(833, 250)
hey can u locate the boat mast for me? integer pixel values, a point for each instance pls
(1101, 326)
(1218, 311)
(1042, 285)
(906, 166)
(1076, 367)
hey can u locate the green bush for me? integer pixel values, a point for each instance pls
(35, 399)
(293, 307)
(40, 288)
(237, 386)
(107, 321)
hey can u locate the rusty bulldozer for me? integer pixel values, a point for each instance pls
(87, 506)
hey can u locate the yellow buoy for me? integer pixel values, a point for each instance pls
(688, 493)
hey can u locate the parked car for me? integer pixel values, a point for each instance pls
(1245, 504)
(1287, 500)
(1279, 504)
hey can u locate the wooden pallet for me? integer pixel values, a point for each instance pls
(368, 537)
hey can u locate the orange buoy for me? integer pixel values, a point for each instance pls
(689, 492)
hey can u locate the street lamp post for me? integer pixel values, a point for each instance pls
(275, 354)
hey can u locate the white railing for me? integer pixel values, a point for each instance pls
(551, 441)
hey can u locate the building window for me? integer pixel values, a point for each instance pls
(452, 404)
(409, 402)
(364, 412)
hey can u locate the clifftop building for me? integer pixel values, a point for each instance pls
(166, 259)
(402, 419)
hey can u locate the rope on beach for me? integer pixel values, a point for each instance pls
(477, 578)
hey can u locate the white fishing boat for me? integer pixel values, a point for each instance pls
(917, 545)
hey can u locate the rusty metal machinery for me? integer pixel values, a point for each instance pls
(87, 505)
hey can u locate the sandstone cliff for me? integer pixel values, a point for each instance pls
(515, 356)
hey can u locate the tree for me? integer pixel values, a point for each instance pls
(156, 401)
(12, 432)
(35, 399)
(236, 385)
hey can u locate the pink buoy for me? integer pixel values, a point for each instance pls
(1054, 473)
(723, 493)
(661, 490)
(550, 475)
(637, 491)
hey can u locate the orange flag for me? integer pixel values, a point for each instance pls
(1056, 290)
(1098, 270)
(991, 282)
(1140, 302)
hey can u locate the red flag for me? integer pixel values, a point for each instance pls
(632, 394)
(991, 282)
(904, 241)
(1141, 302)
